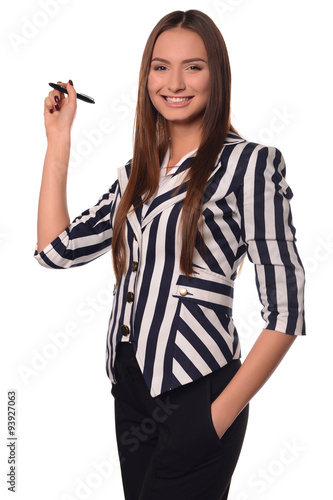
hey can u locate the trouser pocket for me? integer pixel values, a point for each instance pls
(191, 437)
(188, 433)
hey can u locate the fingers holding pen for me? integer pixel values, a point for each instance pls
(48, 105)
(56, 101)
(60, 109)
(53, 100)
(56, 98)
(70, 89)
(72, 100)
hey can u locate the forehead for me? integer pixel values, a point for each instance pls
(180, 43)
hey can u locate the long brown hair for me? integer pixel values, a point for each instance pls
(151, 138)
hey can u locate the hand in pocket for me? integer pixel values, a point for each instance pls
(220, 418)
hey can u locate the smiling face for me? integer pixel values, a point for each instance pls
(179, 80)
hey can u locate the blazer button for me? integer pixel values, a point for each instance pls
(183, 292)
(124, 330)
(130, 297)
(134, 266)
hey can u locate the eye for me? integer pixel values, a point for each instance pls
(160, 68)
(194, 68)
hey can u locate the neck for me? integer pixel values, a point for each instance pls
(184, 138)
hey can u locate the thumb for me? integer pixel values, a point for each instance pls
(71, 91)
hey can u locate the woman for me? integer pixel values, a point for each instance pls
(195, 198)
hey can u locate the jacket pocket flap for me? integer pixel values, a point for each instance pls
(209, 290)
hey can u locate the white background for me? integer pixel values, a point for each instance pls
(280, 54)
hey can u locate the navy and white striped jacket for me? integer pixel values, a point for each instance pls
(182, 328)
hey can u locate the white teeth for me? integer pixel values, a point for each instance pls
(177, 99)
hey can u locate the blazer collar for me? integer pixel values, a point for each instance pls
(162, 201)
(165, 198)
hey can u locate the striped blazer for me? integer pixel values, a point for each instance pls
(183, 329)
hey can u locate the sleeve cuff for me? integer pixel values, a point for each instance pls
(49, 253)
(281, 326)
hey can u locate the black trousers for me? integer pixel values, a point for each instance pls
(168, 446)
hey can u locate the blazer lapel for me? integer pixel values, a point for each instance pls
(163, 200)
(166, 198)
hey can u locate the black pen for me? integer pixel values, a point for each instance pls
(82, 97)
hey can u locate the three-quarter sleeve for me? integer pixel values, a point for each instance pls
(86, 238)
(269, 235)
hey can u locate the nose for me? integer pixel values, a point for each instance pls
(176, 81)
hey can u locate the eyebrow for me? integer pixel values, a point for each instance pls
(185, 60)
